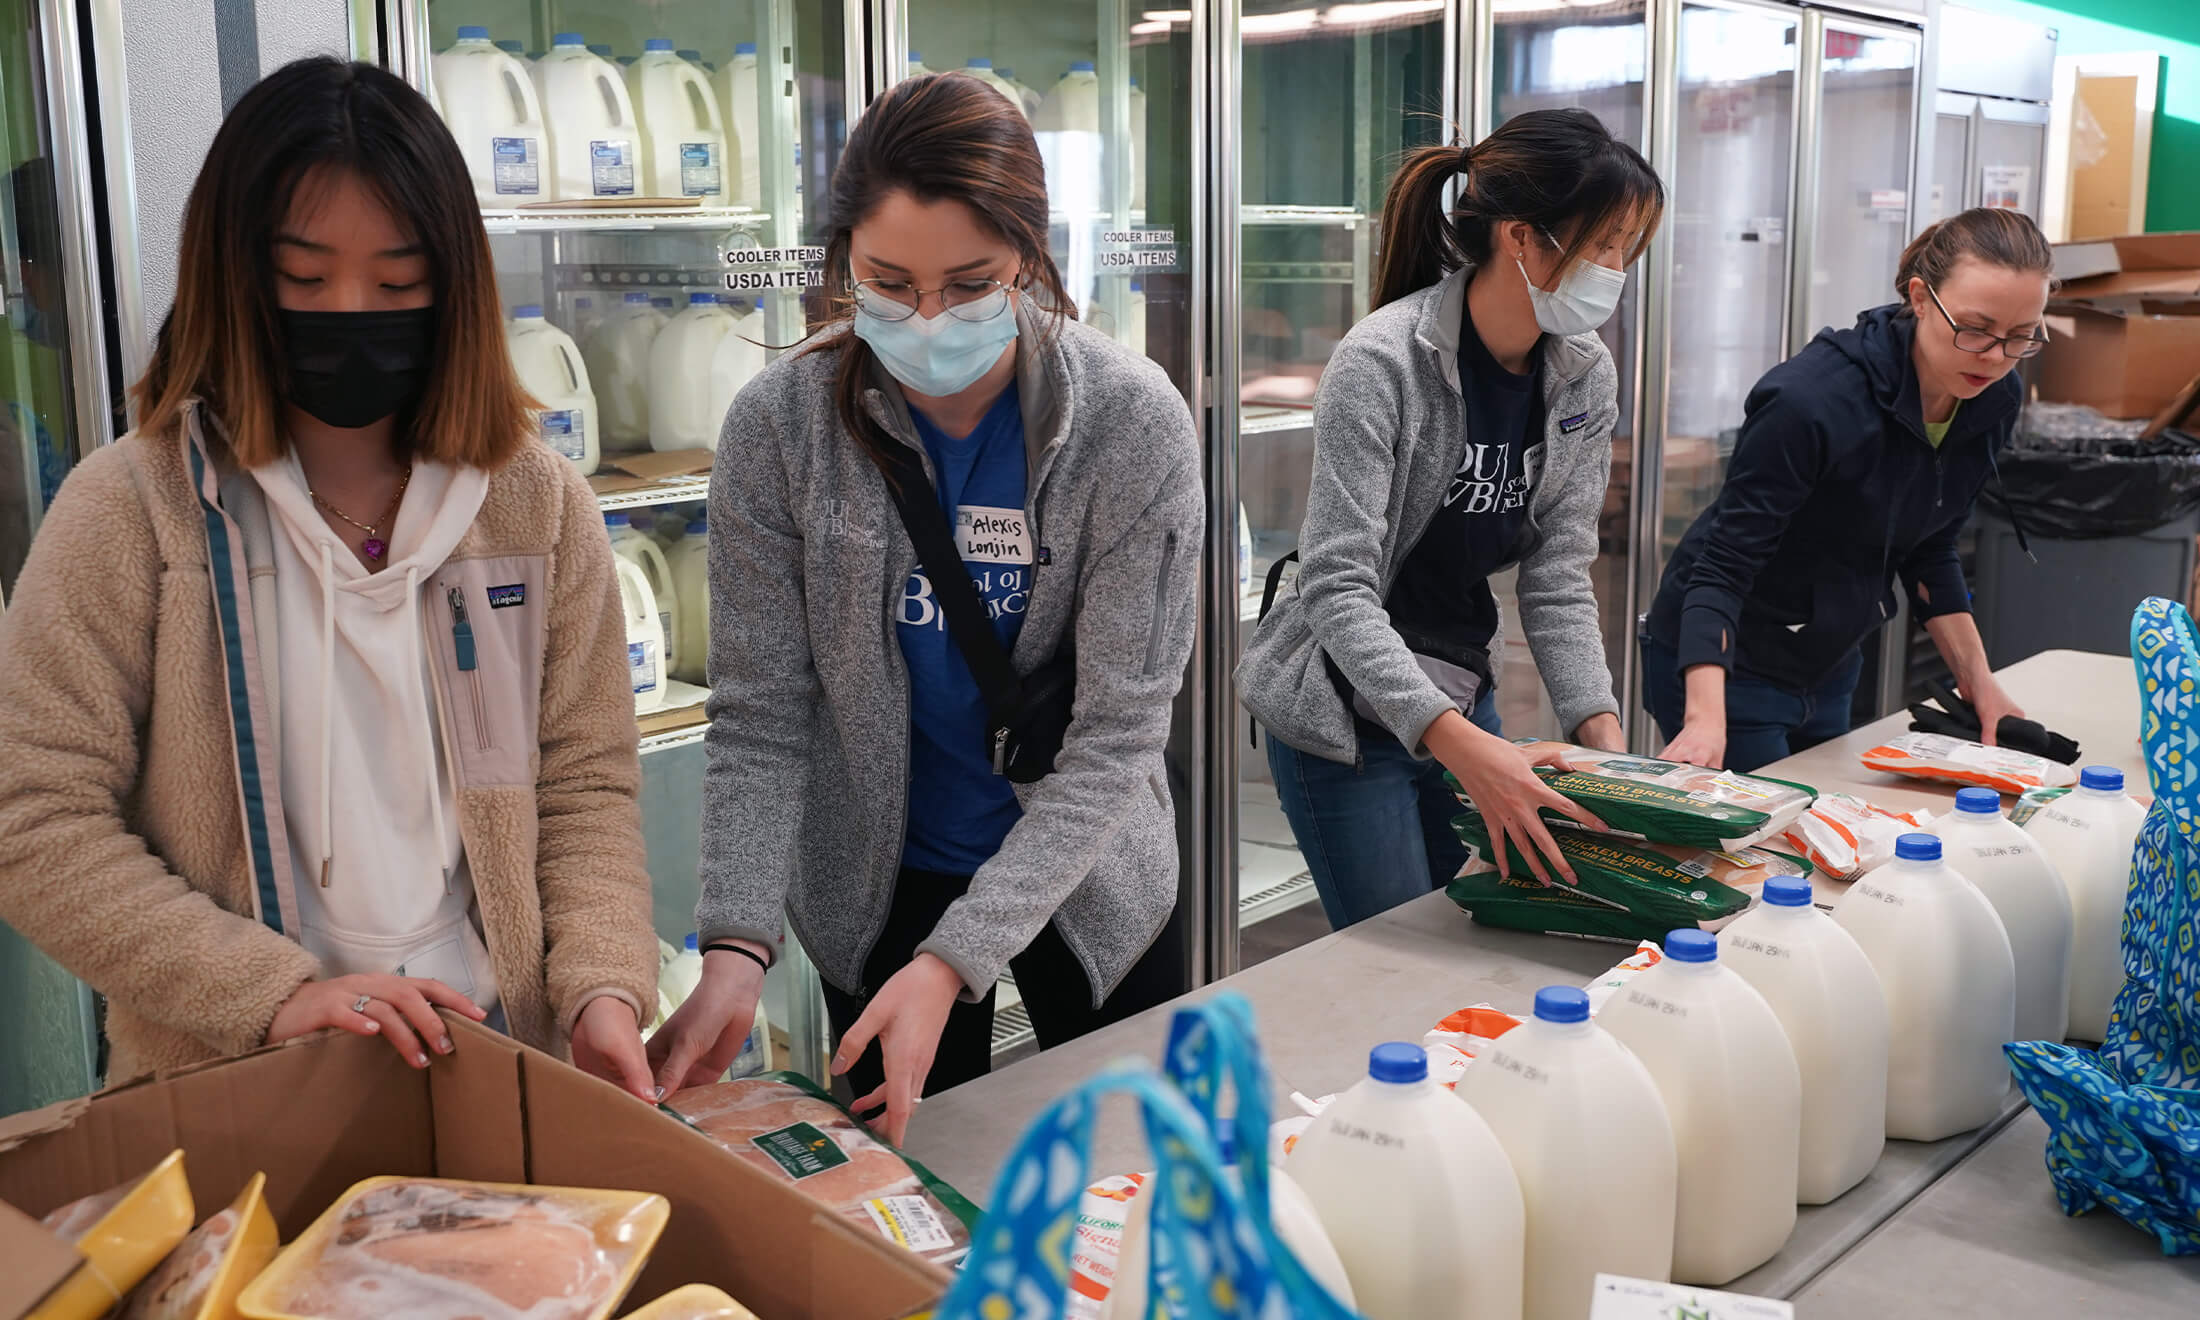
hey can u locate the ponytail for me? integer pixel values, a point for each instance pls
(1560, 170)
(1996, 236)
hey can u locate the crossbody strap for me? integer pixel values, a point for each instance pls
(967, 618)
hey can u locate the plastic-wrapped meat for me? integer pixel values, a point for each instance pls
(176, 1290)
(71, 1222)
(440, 1250)
(812, 1143)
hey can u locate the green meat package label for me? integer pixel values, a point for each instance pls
(1667, 802)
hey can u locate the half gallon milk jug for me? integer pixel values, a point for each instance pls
(1296, 1223)
(637, 546)
(2011, 869)
(551, 369)
(1731, 1087)
(1029, 97)
(683, 141)
(690, 559)
(489, 103)
(1589, 1140)
(645, 637)
(1417, 1195)
(981, 68)
(618, 366)
(2089, 834)
(595, 144)
(1951, 984)
(738, 80)
(1827, 997)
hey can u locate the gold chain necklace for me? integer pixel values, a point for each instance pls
(376, 546)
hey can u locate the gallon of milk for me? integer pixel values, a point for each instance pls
(595, 144)
(1134, 318)
(645, 637)
(489, 103)
(1951, 984)
(690, 559)
(618, 365)
(631, 543)
(739, 357)
(682, 974)
(687, 399)
(1029, 97)
(1586, 1131)
(587, 316)
(1827, 997)
(1417, 1195)
(981, 68)
(738, 81)
(683, 142)
(551, 369)
(2089, 835)
(2011, 868)
(1293, 1215)
(1073, 106)
(1735, 1096)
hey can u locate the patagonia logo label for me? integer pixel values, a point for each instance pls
(1569, 425)
(504, 598)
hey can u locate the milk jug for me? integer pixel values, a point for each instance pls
(1073, 106)
(551, 369)
(630, 543)
(981, 68)
(691, 383)
(680, 976)
(1827, 997)
(618, 364)
(683, 142)
(916, 66)
(1735, 1096)
(1951, 984)
(1134, 318)
(586, 317)
(1029, 97)
(1587, 1135)
(2011, 868)
(739, 358)
(2089, 834)
(489, 103)
(645, 637)
(1294, 1217)
(1417, 1195)
(595, 145)
(738, 80)
(690, 559)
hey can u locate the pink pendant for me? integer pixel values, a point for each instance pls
(374, 547)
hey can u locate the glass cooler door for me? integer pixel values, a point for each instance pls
(1867, 119)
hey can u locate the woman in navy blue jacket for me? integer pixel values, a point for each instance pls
(1858, 462)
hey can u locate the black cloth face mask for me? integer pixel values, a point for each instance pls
(353, 369)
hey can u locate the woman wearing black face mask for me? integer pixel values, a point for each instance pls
(314, 707)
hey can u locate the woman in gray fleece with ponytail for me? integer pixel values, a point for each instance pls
(1463, 428)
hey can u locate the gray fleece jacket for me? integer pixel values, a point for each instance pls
(805, 798)
(1389, 432)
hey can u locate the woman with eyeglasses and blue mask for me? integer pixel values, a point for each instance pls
(1858, 463)
(1461, 429)
(855, 777)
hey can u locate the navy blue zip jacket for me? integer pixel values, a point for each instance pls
(1832, 492)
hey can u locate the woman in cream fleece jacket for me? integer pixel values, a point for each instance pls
(314, 708)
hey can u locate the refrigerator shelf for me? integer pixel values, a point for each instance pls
(728, 219)
(1333, 217)
(680, 490)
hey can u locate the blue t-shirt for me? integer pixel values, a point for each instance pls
(959, 810)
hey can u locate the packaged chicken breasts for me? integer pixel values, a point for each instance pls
(122, 1234)
(1845, 836)
(785, 1126)
(201, 1279)
(1665, 802)
(438, 1249)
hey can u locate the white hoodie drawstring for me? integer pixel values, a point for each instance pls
(328, 710)
(435, 769)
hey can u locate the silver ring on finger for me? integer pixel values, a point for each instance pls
(359, 1005)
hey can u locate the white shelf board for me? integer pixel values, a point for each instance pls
(639, 218)
(682, 490)
(1333, 217)
(1271, 420)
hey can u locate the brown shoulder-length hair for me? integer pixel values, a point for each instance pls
(1560, 170)
(1998, 237)
(219, 341)
(943, 136)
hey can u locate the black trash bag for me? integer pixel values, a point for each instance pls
(2091, 487)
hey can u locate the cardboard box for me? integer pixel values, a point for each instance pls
(2126, 323)
(321, 1114)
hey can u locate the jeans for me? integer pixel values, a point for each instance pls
(1764, 721)
(1377, 835)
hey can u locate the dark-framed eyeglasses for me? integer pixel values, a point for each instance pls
(965, 300)
(1985, 341)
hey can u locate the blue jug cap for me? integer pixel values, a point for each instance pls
(745, 48)
(1398, 1061)
(657, 43)
(2102, 779)
(615, 519)
(1787, 891)
(526, 310)
(1917, 848)
(1562, 1003)
(1978, 801)
(569, 39)
(977, 62)
(702, 299)
(472, 32)
(690, 944)
(638, 297)
(1689, 945)
(698, 525)
(1081, 66)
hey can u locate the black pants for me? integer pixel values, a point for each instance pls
(1048, 976)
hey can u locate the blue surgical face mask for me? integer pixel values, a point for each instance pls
(938, 355)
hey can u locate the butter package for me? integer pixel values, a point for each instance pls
(201, 1279)
(1666, 802)
(122, 1234)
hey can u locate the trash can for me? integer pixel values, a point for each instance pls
(2112, 518)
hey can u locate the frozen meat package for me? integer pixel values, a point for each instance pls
(201, 1279)
(1667, 802)
(122, 1233)
(697, 1301)
(784, 1125)
(1943, 760)
(440, 1249)
(1845, 836)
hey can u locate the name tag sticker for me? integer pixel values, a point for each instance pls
(993, 536)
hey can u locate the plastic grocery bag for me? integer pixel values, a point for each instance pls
(1204, 1229)
(1667, 802)
(2125, 1123)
